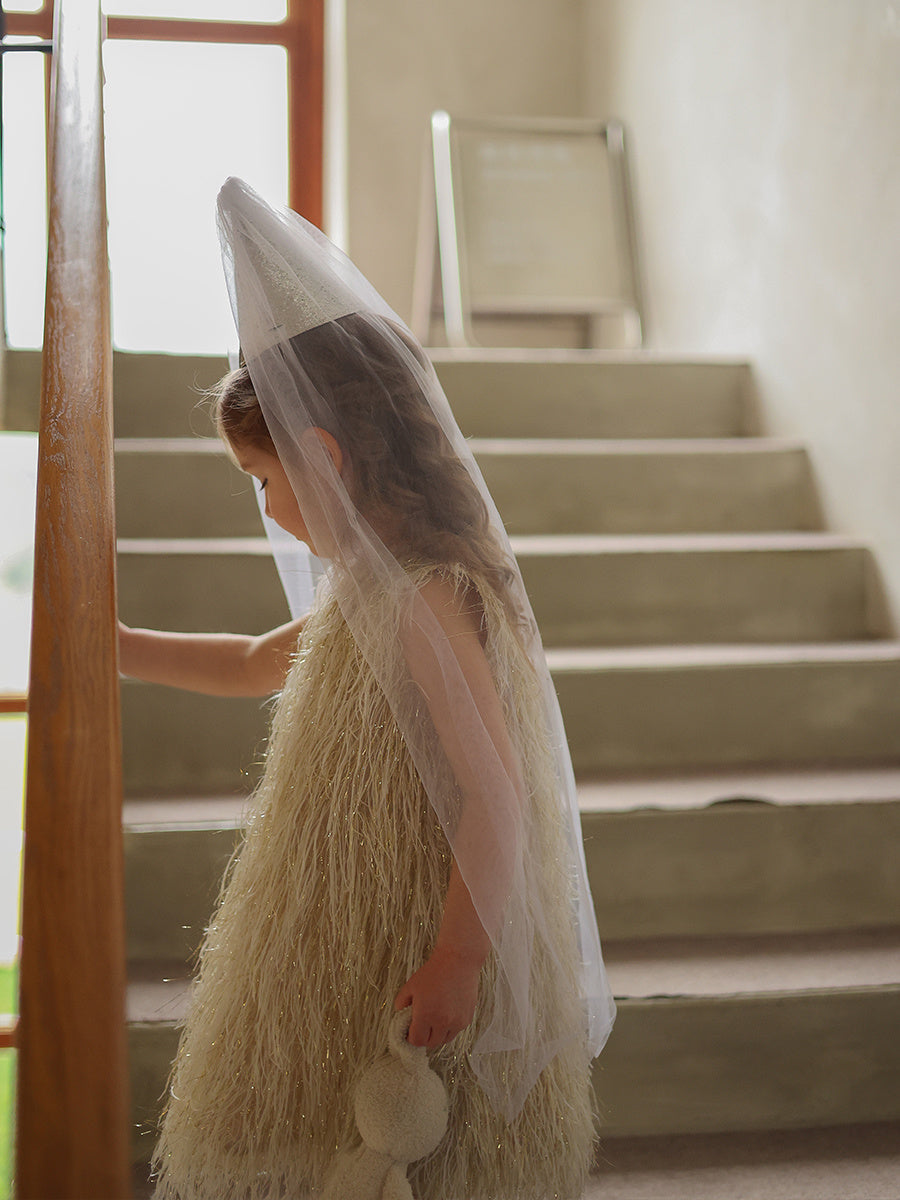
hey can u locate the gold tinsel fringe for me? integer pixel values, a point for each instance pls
(332, 903)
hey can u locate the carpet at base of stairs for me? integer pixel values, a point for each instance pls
(852, 1162)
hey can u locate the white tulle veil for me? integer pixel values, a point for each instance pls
(310, 326)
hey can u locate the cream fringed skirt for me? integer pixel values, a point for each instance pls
(333, 901)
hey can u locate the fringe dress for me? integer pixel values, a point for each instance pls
(333, 901)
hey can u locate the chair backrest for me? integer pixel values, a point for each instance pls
(526, 217)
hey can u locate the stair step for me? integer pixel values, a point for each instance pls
(668, 708)
(172, 879)
(163, 395)
(630, 710)
(175, 742)
(705, 1055)
(654, 969)
(182, 487)
(22, 390)
(585, 589)
(649, 485)
(710, 1036)
(594, 395)
(570, 394)
(214, 584)
(493, 393)
(686, 790)
(681, 791)
(187, 487)
(753, 966)
(657, 590)
(743, 852)
(849, 1162)
(743, 867)
(713, 868)
(155, 395)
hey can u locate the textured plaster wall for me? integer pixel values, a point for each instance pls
(406, 58)
(766, 143)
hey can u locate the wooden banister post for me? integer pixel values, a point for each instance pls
(72, 1131)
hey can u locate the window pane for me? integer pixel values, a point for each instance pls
(18, 478)
(18, 484)
(180, 118)
(12, 787)
(258, 11)
(25, 188)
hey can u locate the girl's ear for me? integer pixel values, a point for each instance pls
(330, 442)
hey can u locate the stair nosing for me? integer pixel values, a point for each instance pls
(768, 967)
(703, 791)
(789, 964)
(775, 541)
(521, 354)
(556, 544)
(169, 445)
(637, 447)
(721, 655)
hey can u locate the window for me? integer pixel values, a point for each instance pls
(196, 90)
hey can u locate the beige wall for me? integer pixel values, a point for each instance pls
(766, 146)
(766, 142)
(406, 58)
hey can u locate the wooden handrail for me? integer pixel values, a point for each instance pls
(72, 1126)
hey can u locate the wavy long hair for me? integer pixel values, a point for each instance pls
(403, 473)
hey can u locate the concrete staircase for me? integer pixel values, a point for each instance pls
(731, 693)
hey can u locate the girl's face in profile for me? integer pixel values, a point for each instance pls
(281, 503)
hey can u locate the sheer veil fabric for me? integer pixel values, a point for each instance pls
(312, 329)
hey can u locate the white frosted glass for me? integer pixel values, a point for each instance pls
(256, 11)
(18, 485)
(28, 7)
(12, 785)
(180, 118)
(25, 189)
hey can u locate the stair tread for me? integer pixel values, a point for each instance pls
(614, 358)
(850, 1162)
(652, 969)
(720, 655)
(752, 965)
(169, 445)
(680, 791)
(684, 791)
(679, 543)
(157, 992)
(514, 446)
(184, 812)
(650, 447)
(206, 545)
(552, 544)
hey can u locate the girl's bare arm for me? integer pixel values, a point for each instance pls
(218, 664)
(444, 991)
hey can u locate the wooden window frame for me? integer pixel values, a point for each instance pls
(301, 34)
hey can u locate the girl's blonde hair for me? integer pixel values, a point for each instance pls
(403, 471)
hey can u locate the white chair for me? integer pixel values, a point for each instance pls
(526, 217)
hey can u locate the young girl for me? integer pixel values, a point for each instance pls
(414, 839)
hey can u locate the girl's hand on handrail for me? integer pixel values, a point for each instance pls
(217, 664)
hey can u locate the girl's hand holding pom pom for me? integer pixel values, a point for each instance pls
(443, 994)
